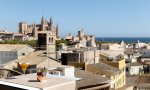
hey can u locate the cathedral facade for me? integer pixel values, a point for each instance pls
(33, 29)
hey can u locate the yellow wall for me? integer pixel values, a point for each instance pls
(120, 64)
(117, 79)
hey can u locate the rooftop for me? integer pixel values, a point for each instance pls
(84, 49)
(107, 68)
(11, 47)
(18, 34)
(38, 57)
(135, 64)
(145, 55)
(89, 79)
(111, 57)
(109, 43)
(143, 81)
(29, 82)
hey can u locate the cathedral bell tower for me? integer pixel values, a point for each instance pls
(50, 44)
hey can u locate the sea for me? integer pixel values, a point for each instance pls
(125, 39)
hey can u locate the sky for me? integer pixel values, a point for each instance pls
(102, 18)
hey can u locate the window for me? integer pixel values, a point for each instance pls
(52, 39)
(51, 73)
(74, 59)
(114, 85)
(49, 39)
(23, 54)
(127, 69)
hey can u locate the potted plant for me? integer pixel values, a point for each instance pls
(41, 74)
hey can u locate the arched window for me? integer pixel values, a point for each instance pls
(52, 39)
(49, 39)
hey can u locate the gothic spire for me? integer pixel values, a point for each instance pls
(34, 25)
(42, 24)
(51, 20)
(57, 31)
(57, 28)
(42, 20)
(34, 30)
(51, 23)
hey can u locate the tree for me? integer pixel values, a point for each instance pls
(31, 42)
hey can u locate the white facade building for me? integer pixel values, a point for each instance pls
(134, 68)
(81, 40)
(111, 46)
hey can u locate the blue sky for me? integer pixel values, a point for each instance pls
(102, 18)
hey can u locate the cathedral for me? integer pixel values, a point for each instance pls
(33, 29)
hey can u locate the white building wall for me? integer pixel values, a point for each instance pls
(111, 47)
(67, 71)
(97, 56)
(113, 52)
(134, 70)
(91, 56)
(116, 47)
(75, 38)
